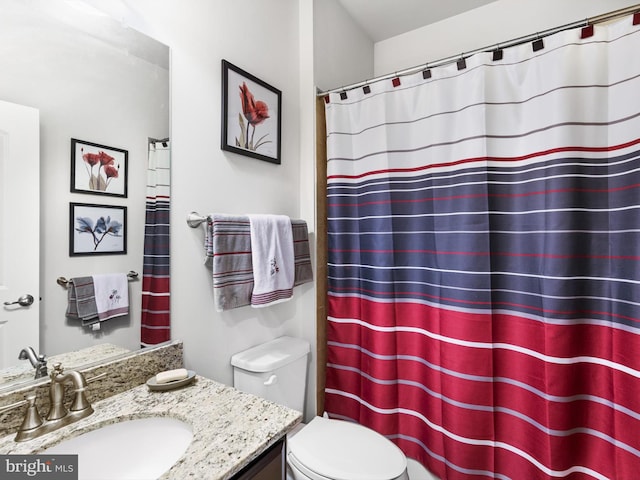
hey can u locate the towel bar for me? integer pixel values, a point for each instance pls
(64, 282)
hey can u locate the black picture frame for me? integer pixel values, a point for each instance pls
(97, 229)
(98, 169)
(249, 104)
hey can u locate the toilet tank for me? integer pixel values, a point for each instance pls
(276, 370)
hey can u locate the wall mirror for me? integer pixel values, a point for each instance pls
(96, 79)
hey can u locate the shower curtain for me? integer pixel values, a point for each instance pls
(155, 322)
(484, 260)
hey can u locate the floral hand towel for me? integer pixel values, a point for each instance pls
(112, 295)
(273, 259)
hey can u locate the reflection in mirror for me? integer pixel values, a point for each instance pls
(95, 79)
(25, 371)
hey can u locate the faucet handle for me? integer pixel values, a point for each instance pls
(57, 370)
(80, 402)
(32, 418)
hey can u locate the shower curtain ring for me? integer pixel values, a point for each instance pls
(462, 63)
(538, 43)
(426, 72)
(497, 53)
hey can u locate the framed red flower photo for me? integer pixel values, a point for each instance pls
(251, 119)
(98, 169)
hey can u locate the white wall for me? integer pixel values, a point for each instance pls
(490, 24)
(88, 90)
(343, 53)
(265, 39)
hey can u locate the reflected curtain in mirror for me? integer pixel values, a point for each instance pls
(156, 315)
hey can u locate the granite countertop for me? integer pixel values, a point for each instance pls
(230, 428)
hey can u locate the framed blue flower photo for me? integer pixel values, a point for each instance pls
(251, 119)
(97, 229)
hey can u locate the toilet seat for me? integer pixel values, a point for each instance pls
(338, 450)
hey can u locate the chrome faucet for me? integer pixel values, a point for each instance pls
(58, 416)
(39, 362)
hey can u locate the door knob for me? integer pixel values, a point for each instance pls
(23, 301)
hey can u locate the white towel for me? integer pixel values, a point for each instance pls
(272, 258)
(112, 295)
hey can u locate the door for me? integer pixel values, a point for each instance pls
(19, 230)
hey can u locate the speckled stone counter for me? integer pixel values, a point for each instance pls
(230, 428)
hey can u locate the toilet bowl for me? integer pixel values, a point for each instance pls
(328, 449)
(324, 449)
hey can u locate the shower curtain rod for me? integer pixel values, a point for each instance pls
(499, 46)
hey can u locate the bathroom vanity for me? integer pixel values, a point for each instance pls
(235, 435)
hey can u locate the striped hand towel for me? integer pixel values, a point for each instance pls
(81, 300)
(301, 252)
(228, 250)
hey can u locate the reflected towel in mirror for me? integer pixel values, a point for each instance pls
(112, 295)
(81, 301)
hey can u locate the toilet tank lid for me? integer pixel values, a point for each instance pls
(271, 355)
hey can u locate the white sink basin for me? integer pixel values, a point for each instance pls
(139, 449)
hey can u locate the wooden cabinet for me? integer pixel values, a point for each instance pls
(271, 465)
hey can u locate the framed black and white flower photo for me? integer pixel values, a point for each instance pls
(97, 229)
(251, 115)
(98, 169)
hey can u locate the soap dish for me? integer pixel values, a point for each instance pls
(153, 385)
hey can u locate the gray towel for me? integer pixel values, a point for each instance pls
(228, 246)
(301, 252)
(228, 253)
(81, 300)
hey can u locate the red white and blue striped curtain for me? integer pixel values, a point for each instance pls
(156, 319)
(484, 261)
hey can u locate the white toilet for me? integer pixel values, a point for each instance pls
(324, 449)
